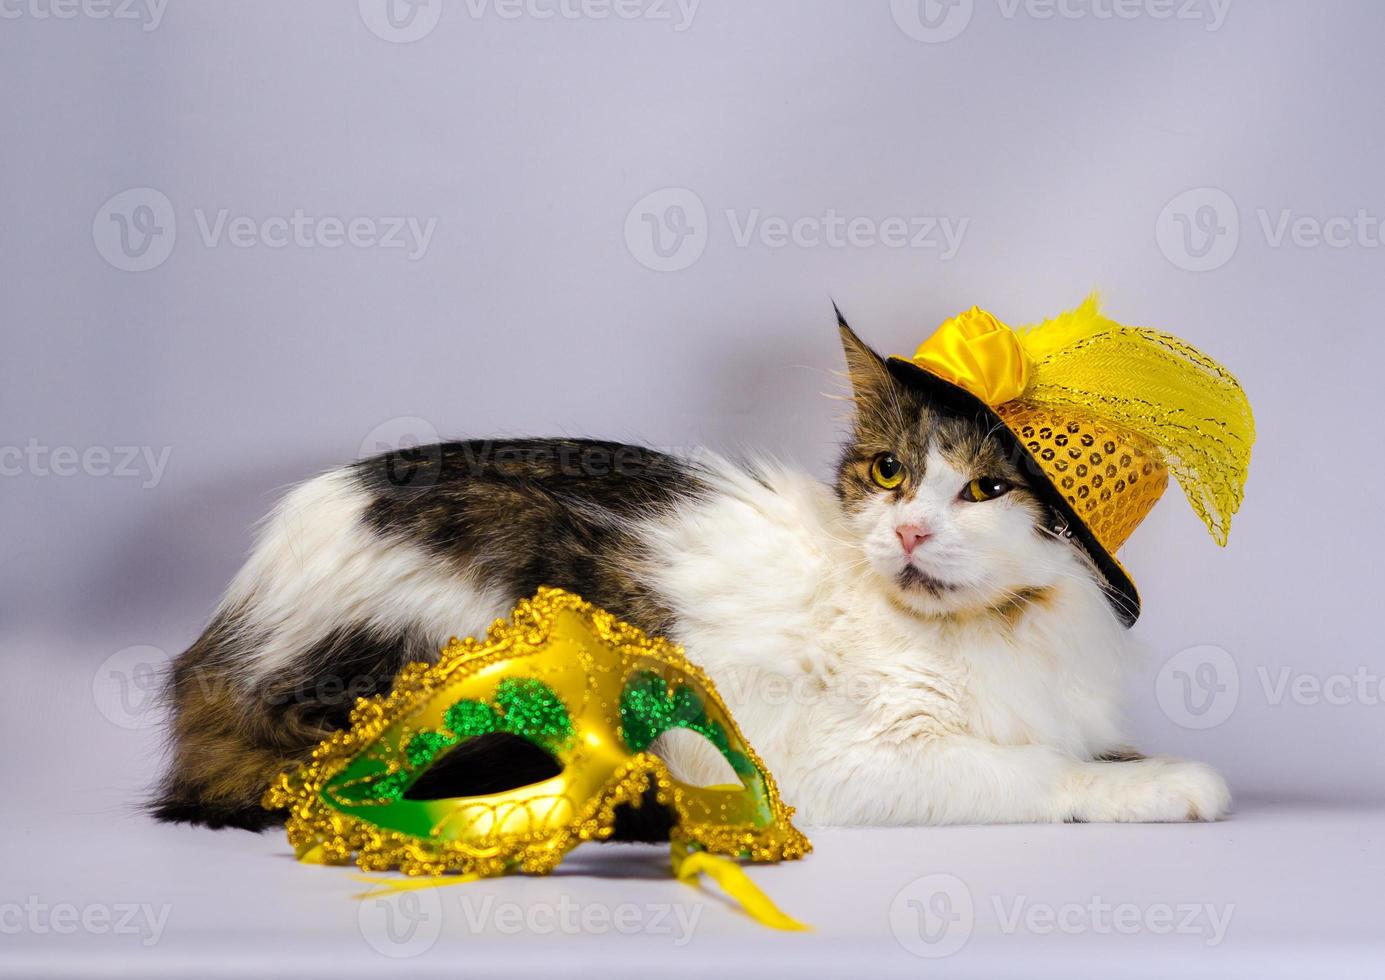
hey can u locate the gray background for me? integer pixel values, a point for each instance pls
(1153, 158)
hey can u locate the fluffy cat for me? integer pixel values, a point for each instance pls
(917, 644)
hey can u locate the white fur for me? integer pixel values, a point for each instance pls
(871, 712)
(317, 567)
(871, 706)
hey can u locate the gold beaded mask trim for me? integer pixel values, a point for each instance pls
(591, 691)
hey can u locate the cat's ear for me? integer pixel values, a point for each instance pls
(870, 378)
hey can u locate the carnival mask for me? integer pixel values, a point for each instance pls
(587, 689)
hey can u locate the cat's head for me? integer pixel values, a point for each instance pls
(942, 507)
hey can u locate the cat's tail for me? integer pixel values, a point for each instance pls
(225, 744)
(230, 735)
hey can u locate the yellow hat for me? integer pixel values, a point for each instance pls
(1099, 414)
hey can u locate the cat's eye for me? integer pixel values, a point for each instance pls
(986, 488)
(887, 471)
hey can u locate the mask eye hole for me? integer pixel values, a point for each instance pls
(985, 488)
(693, 759)
(887, 471)
(491, 763)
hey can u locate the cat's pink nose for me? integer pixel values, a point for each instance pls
(911, 536)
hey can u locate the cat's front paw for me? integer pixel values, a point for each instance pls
(1154, 790)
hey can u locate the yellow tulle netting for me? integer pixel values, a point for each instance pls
(1153, 385)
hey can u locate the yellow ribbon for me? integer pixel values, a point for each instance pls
(390, 884)
(688, 864)
(977, 352)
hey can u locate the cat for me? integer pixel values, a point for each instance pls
(916, 643)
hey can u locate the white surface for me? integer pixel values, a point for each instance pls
(1298, 885)
(1298, 888)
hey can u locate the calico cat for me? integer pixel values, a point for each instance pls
(918, 643)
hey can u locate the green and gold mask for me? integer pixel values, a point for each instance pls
(592, 692)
